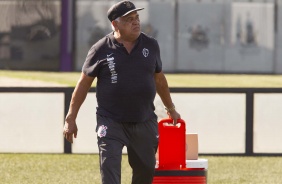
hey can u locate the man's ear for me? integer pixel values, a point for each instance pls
(114, 23)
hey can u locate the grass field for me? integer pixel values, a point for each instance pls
(84, 169)
(174, 80)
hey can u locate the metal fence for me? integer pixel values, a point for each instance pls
(229, 121)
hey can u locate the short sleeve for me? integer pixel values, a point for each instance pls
(158, 59)
(91, 64)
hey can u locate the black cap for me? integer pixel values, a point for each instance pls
(121, 9)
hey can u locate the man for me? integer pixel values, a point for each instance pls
(127, 65)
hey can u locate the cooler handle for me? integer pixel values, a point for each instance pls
(168, 122)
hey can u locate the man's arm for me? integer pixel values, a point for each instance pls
(78, 96)
(163, 91)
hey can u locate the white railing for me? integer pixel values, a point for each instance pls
(239, 121)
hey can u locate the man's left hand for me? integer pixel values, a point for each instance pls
(174, 115)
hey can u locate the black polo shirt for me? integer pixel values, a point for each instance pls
(125, 82)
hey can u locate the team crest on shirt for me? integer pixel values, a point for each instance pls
(145, 52)
(102, 131)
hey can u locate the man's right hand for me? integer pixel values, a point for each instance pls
(70, 130)
(78, 96)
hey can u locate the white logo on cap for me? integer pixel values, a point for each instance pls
(128, 4)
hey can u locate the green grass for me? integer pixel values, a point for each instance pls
(84, 169)
(174, 80)
(224, 80)
(64, 78)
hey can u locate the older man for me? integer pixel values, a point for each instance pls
(128, 69)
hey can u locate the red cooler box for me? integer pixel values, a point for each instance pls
(195, 173)
(172, 167)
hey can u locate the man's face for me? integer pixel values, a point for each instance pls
(129, 25)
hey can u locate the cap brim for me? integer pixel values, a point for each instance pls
(136, 9)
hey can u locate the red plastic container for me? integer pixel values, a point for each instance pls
(172, 161)
(172, 145)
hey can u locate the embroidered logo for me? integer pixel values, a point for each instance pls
(111, 65)
(145, 52)
(102, 131)
(127, 4)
